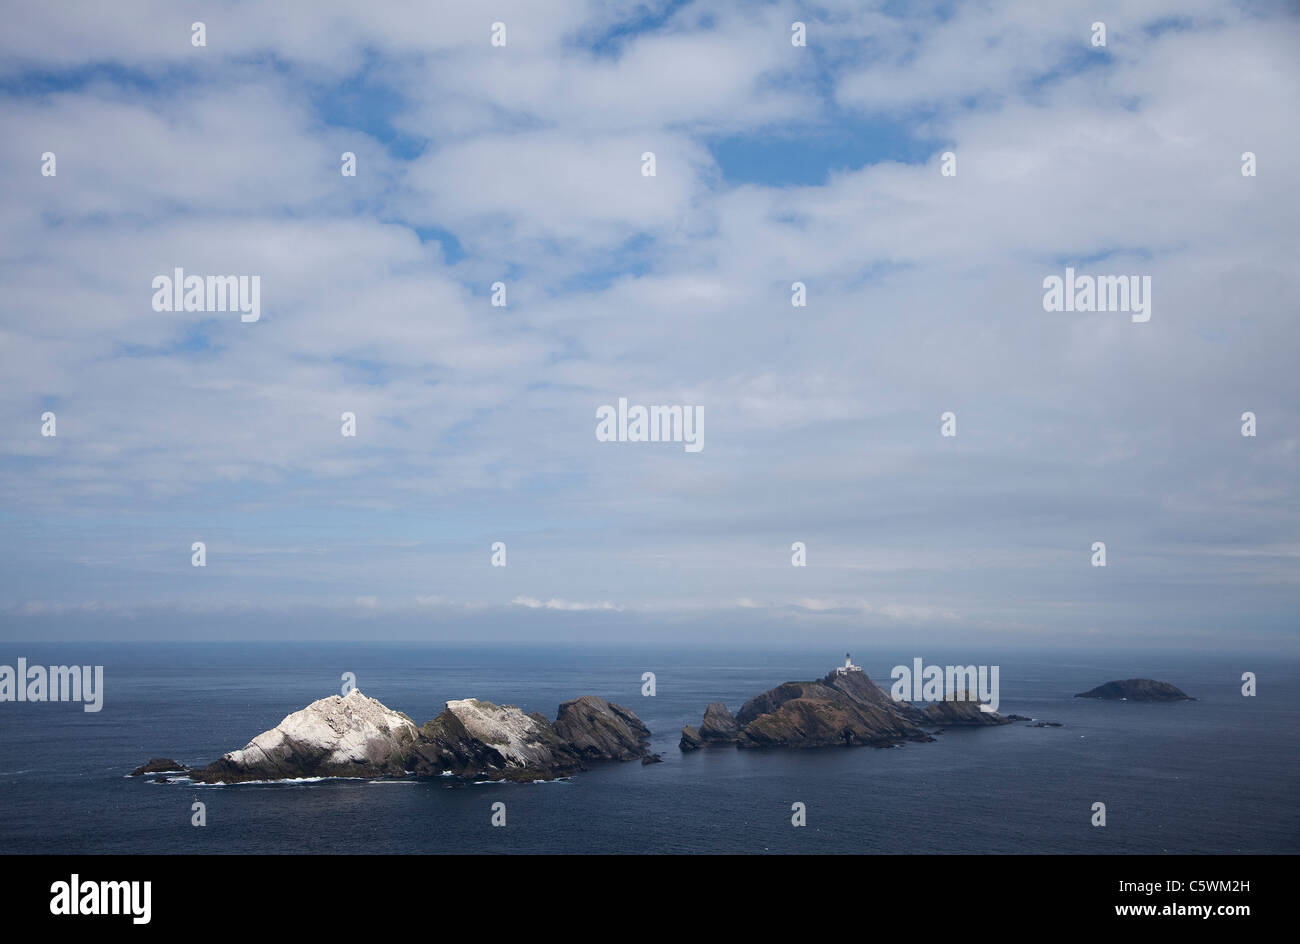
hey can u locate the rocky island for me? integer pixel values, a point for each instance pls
(1136, 690)
(159, 765)
(478, 739)
(360, 737)
(844, 708)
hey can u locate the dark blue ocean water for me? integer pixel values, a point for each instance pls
(1218, 775)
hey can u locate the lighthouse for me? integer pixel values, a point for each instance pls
(848, 666)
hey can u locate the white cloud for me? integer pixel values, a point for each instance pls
(476, 423)
(554, 604)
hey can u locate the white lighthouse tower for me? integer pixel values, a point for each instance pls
(848, 666)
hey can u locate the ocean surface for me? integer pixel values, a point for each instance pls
(1217, 775)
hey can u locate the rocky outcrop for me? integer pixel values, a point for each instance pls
(474, 738)
(817, 714)
(600, 730)
(844, 708)
(1136, 690)
(718, 726)
(858, 686)
(159, 765)
(691, 740)
(963, 709)
(338, 736)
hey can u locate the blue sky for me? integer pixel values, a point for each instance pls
(775, 164)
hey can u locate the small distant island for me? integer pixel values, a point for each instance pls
(354, 736)
(843, 708)
(1136, 690)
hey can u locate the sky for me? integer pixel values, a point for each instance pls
(775, 163)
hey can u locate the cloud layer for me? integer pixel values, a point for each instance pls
(522, 164)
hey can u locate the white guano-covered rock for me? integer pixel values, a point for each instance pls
(338, 736)
(520, 739)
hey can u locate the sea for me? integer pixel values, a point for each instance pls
(1218, 775)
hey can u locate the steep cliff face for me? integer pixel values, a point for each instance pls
(352, 736)
(596, 729)
(718, 726)
(1140, 689)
